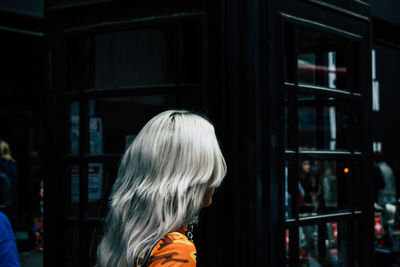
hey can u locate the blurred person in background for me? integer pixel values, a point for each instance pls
(329, 185)
(396, 171)
(8, 248)
(38, 224)
(379, 183)
(9, 167)
(308, 183)
(5, 193)
(388, 192)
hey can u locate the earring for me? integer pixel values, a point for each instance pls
(192, 223)
(189, 233)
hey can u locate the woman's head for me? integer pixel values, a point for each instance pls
(175, 158)
(166, 176)
(306, 167)
(5, 151)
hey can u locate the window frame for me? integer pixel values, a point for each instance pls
(85, 36)
(292, 88)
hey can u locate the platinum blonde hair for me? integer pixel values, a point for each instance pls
(160, 186)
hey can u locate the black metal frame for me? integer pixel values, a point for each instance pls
(293, 224)
(295, 13)
(62, 97)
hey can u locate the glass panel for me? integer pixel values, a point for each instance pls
(290, 172)
(289, 60)
(290, 121)
(74, 64)
(287, 247)
(138, 57)
(322, 59)
(327, 244)
(379, 230)
(72, 247)
(101, 176)
(95, 235)
(73, 128)
(357, 126)
(114, 122)
(323, 123)
(73, 190)
(325, 186)
(191, 102)
(192, 53)
(308, 242)
(357, 178)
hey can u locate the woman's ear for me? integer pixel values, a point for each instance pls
(207, 199)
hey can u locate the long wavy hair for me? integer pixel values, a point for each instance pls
(160, 185)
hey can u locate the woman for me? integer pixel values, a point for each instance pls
(9, 167)
(166, 176)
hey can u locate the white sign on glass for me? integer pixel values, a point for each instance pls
(74, 134)
(95, 181)
(74, 183)
(96, 135)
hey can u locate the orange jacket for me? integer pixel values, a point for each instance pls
(174, 250)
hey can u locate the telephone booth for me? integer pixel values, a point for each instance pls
(287, 86)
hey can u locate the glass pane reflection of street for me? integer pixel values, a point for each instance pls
(324, 244)
(323, 187)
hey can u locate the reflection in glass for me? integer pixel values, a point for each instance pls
(308, 238)
(287, 246)
(290, 172)
(306, 68)
(319, 245)
(324, 186)
(323, 123)
(326, 244)
(329, 184)
(288, 197)
(322, 59)
(308, 186)
(139, 57)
